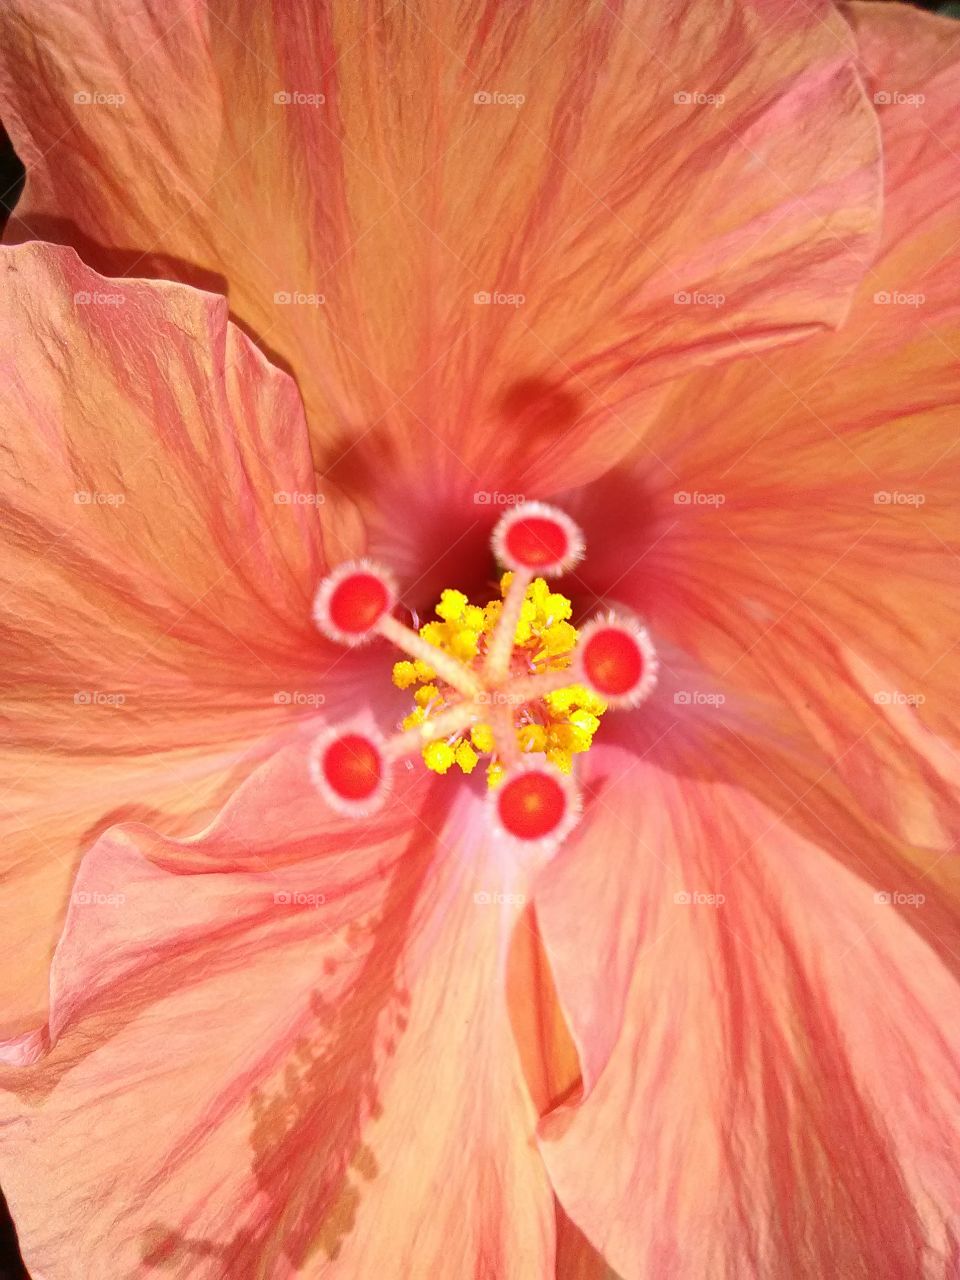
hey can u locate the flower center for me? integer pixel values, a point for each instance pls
(558, 724)
(512, 680)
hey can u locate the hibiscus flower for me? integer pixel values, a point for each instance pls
(627, 262)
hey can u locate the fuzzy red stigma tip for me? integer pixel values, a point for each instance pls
(532, 805)
(537, 538)
(358, 602)
(350, 771)
(617, 661)
(613, 661)
(352, 767)
(536, 542)
(353, 600)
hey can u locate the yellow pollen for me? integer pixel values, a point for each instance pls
(482, 738)
(426, 695)
(560, 724)
(438, 756)
(465, 756)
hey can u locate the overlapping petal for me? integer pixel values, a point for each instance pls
(770, 1079)
(778, 1093)
(481, 234)
(156, 584)
(307, 1016)
(794, 523)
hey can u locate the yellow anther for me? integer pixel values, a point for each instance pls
(562, 759)
(576, 695)
(558, 638)
(523, 633)
(482, 738)
(491, 613)
(451, 606)
(585, 721)
(434, 633)
(473, 617)
(426, 694)
(505, 580)
(465, 644)
(556, 608)
(465, 756)
(532, 737)
(563, 700)
(404, 674)
(438, 756)
(416, 717)
(495, 772)
(538, 592)
(569, 738)
(423, 671)
(590, 701)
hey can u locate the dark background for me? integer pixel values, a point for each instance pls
(11, 185)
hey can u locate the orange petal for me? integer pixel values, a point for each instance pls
(487, 235)
(156, 622)
(770, 1045)
(280, 1057)
(799, 533)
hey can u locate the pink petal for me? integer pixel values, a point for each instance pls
(278, 1059)
(770, 1048)
(383, 185)
(795, 513)
(156, 619)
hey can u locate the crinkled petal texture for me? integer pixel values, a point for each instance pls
(156, 583)
(770, 1048)
(283, 1049)
(770, 1081)
(483, 232)
(852, 441)
(850, 628)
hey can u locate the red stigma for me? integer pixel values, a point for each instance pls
(531, 805)
(358, 603)
(352, 767)
(537, 540)
(613, 661)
